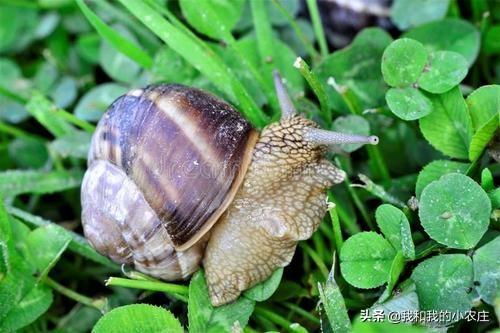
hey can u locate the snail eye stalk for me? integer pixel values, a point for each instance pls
(324, 137)
(286, 105)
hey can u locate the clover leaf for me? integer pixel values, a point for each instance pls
(455, 211)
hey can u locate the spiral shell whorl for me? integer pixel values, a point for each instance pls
(184, 149)
(120, 224)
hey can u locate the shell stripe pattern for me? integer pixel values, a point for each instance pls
(186, 150)
(120, 224)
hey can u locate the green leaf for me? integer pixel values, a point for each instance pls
(444, 283)
(487, 270)
(484, 103)
(404, 300)
(78, 243)
(487, 182)
(408, 103)
(32, 306)
(445, 70)
(17, 182)
(448, 128)
(6, 243)
(495, 198)
(276, 17)
(397, 267)
(482, 137)
(138, 318)
(168, 66)
(411, 13)
(213, 18)
(455, 211)
(358, 68)
(93, 104)
(11, 110)
(9, 73)
(265, 289)
(45, 112)
(73, 145)
(449, 35)
(120, 43)
(434, 170)
(248, 46)
(47, 24)
(365, 260)
(65, 91)
(396, 229)
(11, 291)
(403, 61)
(28, 152)
(87, 46)
(491, 43)
(45, 77)
(289, 289)
(283, 58)
(203, 317)
(333, 302)
(18, 27)
(117, 65)
(352, 124)
(46, 245)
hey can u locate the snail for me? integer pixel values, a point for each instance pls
(177, 178)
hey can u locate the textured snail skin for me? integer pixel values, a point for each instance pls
(281, 201)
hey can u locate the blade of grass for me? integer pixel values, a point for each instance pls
(303, 313)
(335, 308)
(178, 291)
(357, 201)
(44, 111)
(316, 86)
(316, 258)
(100, 304)
(376, 157)
(320, 246)
(71, 118)
(300, 34)
(17, 182)
(265, 44)
(272, 316)
(12, 95)
(378, 191)
(78, 245)
(350, 225)
(193, 50)
(337, 233)
(312, 6)
(119, 42)
(17, 132)
(148, 40)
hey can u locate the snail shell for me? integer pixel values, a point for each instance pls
(165, 162)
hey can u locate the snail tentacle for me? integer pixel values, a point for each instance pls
(286, 105)
(325, 137)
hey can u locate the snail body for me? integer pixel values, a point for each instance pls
(177, 177)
